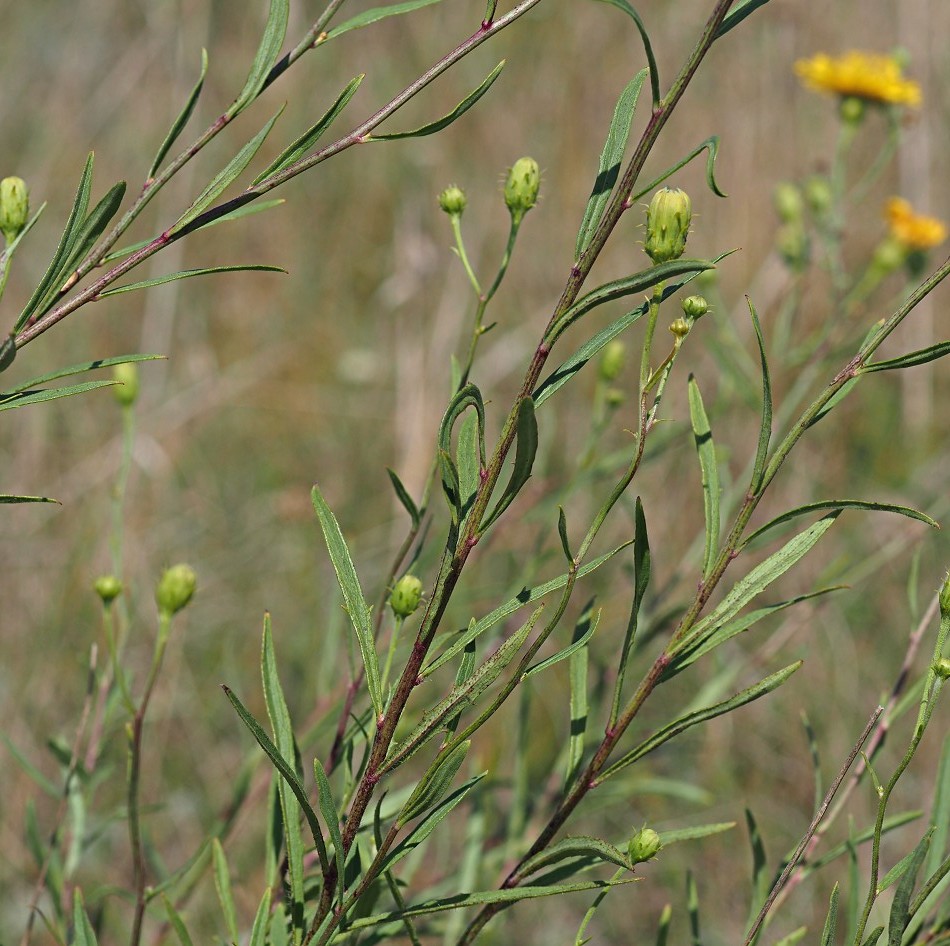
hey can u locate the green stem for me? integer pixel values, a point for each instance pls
(456, 221)
(652, 317)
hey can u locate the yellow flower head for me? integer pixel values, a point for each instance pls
(869, 76)
(913, 231)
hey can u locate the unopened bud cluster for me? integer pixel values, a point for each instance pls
(668, 218)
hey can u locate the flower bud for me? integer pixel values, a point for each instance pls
(851, 110)
(942, 668)
(788, 202)
(175, 588)
(611, 361)
(14, 207)
(615, 397)
(695, 307)
(453, 200)
(108, 587)
(889, 255)
(406, 595)
(127, 389)
(793, 246)
(944, 597)
(521, 187)
(668, 219)
(680, 328)
(818, 194)
(644, 846)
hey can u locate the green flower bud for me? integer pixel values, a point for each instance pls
(108, 587)
(406, 595)
(793, 245)
(453, 200)
(127, 389)
(889, 255)
(175, 588)
(818, 194)
(851, 110)
(668, 219)
(14, 207)
(611, 361)
(521, 187)
(944, 597)
(680, 328)
(615, 397)
(788, 202)
(695, 307)
(643, 846)
(942, 668)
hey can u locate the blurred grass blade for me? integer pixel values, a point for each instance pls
(226, 176)
(52, 280)
(583, 632)
(286, 745)
(182, 118)
(837, 505)
(711, 145)
(403, 496)
(525, 597)
(434, 784)
(872, 937)
(647, 47)
(445, 121)
(288, 773)
(332, 820)
(258, 935)
(908, 861)
(920, 357)
(760, 877)
(831, 920)
(296, 150)
(187, 274)
(50, 394)
(765, 430)
(267, 54)
(580, 712)
(176, 922)
(891, 823)
(736, 16)
(692, 908)
(356, 605)
(368, 17)
(612, 155)
(791, 938)
(900, 906)
(706, 449)
(663, 926)
(763, 687)
(526, 448)
(83, 933)
(222, 884)
(694, 833)
(8, 498)
(572, 847)
(76, 369)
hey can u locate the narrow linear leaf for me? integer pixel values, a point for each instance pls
(76, 369)
(467, 397)
(182, 119)
(647, 46)
(831, 920)
(583, 632)
(738, 15)
(794, 937)
(900, 906)
(7, 352)
(562, 532)
(434, 784)
(402, 494)
(51, 394)
(663, 926)
(83, 933)
(452, 490)
(222, 883)
(572, 847)
(694, 833)
(580, 712)
(767, 685)
(267, 53)
(710, 145)
(836, 399)
(369, 17)
(445, 121)
(706, 449)
(838, 505)
(258, 935)
(692, 908)
(526, 448)
(356, 605)
(227, 175)
(760, 876)
(904, 865)
(331, 818)
(296, 150)
(765, 429)
(872, 937)
(187, 274)
(612, 154)
(920, 357)
(467, 460)
(176, 922)
(7, 498)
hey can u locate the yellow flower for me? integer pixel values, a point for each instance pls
(869, 76)
(913, 231)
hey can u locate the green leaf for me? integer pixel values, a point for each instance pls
(7, 352)
(612, 154)
(329, 811)
(449, 475)
(737, 15)
(266, 57)
(837, 505)
(831, 920)
(525, 597)
(187, 274)
(286, 745)
(356, 605)
(900, 906)
(694, 833)
(583, 632)
(227, 175)
(769, 683)
(526, 427)
(872, 937)
(83, 933)
(176, 922)
(288, 773)
(647, 47)
(403, 496)
(467, 460)
(562, 532)
(911, 359)
(467, 397)
(765, 429)
(51, 394)
(222, 883)
(711, 145)
(706, 449)
(434, 784)
(445, 121)
(760, 876)
(573, 847)
(835, 399)
(76, 369)
(182, 118)
(580, 711)
(904, 864)
(258, 935)
(619, 288)
(368, 17)
(9, 499)
(791, 938)
(295, 151)
(692, 908)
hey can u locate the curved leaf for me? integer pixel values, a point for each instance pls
(765, 428)
(367, 17)
(526, 448)
(920, 357)
(711, 144)
(187, 274)
(182, 119)
(571, 847)
(267, 54)
(36, 397)
(706, 449)
(647, 46)
(737, 15)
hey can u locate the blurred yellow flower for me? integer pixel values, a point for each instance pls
(913, 231)
(869, 76)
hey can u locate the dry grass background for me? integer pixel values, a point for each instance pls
(339, 369)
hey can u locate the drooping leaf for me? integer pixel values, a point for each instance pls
(711, 145)
(267, 54)
(368, 17)
(612, 155)
(182, 119)
(647, 46)
(526, 447)
(356, 605)
(432, 127)
(51, 394)
(187, 274)
(709, 466)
